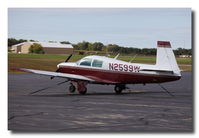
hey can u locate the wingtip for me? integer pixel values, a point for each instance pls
(15, 69)
(19, 69)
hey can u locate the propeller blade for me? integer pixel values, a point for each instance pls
(57, 70)
(52, 77)
(68, 58)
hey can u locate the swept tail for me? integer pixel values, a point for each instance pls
(165, 59)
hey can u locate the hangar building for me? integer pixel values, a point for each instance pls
(48, 47)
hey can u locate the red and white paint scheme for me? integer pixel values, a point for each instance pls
(104, 70)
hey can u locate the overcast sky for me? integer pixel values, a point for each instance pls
(129, 27)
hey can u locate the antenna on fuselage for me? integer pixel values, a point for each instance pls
(132, 58)
(117, 56)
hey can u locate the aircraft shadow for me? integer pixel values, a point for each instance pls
(100, 93)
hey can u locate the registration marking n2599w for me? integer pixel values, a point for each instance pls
(123, 67)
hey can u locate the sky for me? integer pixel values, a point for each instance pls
(127, 27)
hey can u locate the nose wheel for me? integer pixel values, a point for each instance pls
(118, 88)
(72, 88)
(81, 87)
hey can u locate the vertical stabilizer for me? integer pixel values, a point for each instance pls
(165, 59)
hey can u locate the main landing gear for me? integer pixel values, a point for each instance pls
(81, 87)
(119, 87)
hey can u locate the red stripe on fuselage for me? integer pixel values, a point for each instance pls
(108, 76)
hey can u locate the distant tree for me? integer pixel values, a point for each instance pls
(189, 51)
(148, 51)
(182, 51)
(75, 46)
(36, 48)
(52, 41)
(65, 42)
(83, 45)
(113, 48)
(133, 50)
(32, 40)
(13, 41)
(90, 47)
(104, 48)
(97, 46)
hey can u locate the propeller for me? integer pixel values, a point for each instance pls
(68, 57)
(64, 61)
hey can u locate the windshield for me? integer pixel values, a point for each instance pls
(85, 62)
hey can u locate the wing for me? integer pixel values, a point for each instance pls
(57, 74)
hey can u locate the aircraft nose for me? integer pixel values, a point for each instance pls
(58, 65)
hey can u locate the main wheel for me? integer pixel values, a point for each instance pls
(72, 88)
(118, 89)
(83, 92)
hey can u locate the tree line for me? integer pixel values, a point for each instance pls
(113, 48)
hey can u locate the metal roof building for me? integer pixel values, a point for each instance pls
(48, 47)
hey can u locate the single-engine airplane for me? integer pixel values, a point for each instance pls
(104, 70)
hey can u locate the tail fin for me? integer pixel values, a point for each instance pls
(165, 57)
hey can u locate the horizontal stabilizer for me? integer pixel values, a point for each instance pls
(157, 70)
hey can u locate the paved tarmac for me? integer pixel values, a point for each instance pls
(141, 109)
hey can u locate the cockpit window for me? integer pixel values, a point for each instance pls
(85, 62)
(97, 63)
(77, 62)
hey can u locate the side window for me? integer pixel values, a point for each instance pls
(97, 63)
(85, 62)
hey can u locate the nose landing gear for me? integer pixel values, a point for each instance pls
(72, 88)
(119, 87)
(81, 87)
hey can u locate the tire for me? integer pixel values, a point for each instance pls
(72, 88)
(83, 92)
(118, 89)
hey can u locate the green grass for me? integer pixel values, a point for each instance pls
(152, 59)
(187, 61)
(139, 59)
(49, 61)
(50, 56)
(45, 56)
